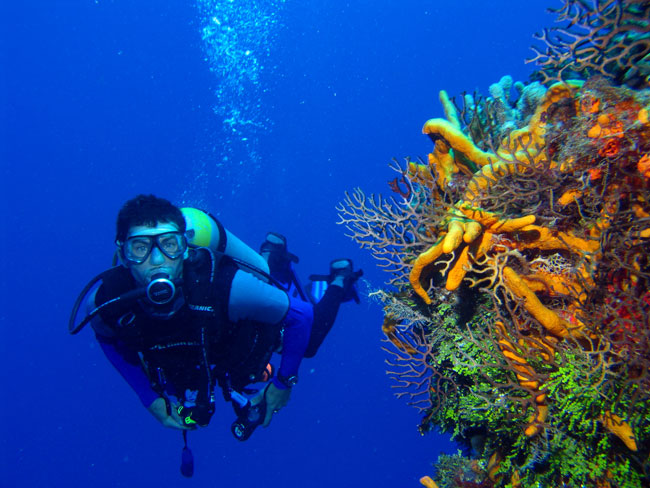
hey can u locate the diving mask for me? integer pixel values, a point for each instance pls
(136, 249)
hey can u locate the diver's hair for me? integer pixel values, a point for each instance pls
(147, 210)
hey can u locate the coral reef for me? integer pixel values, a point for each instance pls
(517, 316)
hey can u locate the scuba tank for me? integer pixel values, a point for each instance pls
(204, 230)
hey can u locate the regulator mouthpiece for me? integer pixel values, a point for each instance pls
(161, 289)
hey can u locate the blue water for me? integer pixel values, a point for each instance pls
(264, 112)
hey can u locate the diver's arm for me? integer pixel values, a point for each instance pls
(124, 359)
(297, 327)
(252, 299)
(127, 363)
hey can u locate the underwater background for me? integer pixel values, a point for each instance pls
(263, 113)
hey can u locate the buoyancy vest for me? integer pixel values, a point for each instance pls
(197, 344)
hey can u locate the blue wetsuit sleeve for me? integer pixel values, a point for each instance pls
(127, 363)
(124, 359)
(297, 327)
(251, 298)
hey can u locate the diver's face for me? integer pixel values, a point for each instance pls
(156, 261)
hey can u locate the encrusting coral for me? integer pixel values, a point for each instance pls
(519, 254)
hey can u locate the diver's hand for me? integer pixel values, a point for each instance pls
(159, 410)
(275, 400)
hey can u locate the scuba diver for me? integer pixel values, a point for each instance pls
(191, 307)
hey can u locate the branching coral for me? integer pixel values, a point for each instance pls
(520, 318)
(398, 226)
(610, 38)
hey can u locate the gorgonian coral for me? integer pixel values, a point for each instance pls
(610, 38)
(520, 314)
